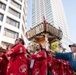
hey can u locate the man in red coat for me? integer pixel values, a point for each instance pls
(58, 66)
(40, 61)
(3, 64)
(18, 61)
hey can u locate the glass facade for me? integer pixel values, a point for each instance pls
(49, 15)
(54, 14)
(66, 42)
(41, 8)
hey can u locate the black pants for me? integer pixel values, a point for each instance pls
(49, 73)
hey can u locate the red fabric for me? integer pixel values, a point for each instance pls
(40, 65)
(59, 66)
(3, 64)
(49, 62)
(19, 62)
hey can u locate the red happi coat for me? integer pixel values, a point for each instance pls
(49, 62)
(3, 64)
(40, 64)
(59, 66)
(18, 63)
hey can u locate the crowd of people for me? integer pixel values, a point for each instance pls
(19, 61)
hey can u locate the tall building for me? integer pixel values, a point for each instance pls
(54, 14)
(13, 18)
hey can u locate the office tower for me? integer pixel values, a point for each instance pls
(54, 13)
(13, 18)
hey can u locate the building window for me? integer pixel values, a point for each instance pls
(15, 4)
(12, 22)
(12, 11)
(10, 33)
(20, 0)
(2, 6)
(0, 28)
(1, 17)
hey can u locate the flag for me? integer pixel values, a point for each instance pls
(30, 28)
(44, 20)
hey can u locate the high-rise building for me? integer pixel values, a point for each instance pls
(53, 12)
(13, 18)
